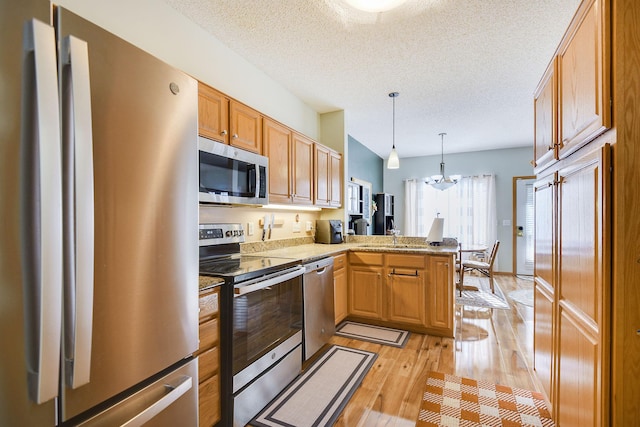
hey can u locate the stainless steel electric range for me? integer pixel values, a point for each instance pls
(260, 319)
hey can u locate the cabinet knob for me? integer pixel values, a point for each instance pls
(224, 132)
(235, 136)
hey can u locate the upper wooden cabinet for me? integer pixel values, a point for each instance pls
(213, 114)
(277, 147)
(245, 127)
(228, 121)
(545, 107)
(584, 78)
(572, 103)
(302, 170)
(335, 179)
(328, 177)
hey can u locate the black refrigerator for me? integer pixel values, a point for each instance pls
(383, 219)
(99, 209)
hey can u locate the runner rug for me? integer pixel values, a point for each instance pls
(454, 401)
(372, 333)
(476, 293)
(320, 393)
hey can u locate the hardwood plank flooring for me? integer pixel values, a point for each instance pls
(492, 345)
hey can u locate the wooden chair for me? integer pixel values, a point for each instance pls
(485, 268)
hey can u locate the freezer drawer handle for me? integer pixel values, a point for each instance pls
(78, 198)
(42, 210)
(174, 393)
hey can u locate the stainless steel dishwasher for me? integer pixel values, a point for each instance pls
(319, 319)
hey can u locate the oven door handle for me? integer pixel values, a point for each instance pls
(268, 281)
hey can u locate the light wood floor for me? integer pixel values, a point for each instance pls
(494, 346)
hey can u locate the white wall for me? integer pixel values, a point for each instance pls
(505, 164)
(155, 27)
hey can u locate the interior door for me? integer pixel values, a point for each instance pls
(524, 227)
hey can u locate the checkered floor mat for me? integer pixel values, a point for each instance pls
(454, 401)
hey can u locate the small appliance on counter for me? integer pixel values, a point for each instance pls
(329, 231)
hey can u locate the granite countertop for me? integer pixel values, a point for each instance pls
(307, 251)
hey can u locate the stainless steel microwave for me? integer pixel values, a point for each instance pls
(231, 175)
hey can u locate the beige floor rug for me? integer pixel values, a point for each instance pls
(372, 333)
(454, 401)
(320, 393)
(476, 293)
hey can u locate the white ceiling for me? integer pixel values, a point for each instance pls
(464, 67)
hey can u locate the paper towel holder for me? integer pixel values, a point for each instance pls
(434, 238)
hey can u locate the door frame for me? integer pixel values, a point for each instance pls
(514, 216)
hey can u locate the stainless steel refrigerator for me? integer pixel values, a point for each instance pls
(99, 220)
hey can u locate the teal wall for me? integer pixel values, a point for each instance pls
(366, 165)
(504, 164)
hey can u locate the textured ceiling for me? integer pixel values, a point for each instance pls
(464, 67)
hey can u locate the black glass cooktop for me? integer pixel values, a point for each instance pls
(238, 268)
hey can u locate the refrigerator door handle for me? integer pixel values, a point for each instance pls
(41, 204)
(173, 393)
(77, 143)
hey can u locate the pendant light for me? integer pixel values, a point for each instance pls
(394, 161)
(442, 182)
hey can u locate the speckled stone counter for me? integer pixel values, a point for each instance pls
(207, 282)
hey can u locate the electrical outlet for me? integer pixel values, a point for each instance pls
(308, 226)
(250, 229)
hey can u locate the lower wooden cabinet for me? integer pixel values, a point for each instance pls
(410, 291)
(209, 358)
(340, 295)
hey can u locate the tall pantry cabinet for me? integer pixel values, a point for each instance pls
(587, 161)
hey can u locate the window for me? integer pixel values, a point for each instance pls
(468, 209)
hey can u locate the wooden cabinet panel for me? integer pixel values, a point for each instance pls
(339, 261)
(246, 127)
(545, 209)
(366, 258)
(209, 358)
(545, 110)
(580, 234)
(406, 295)
(584, 86)
(209, 402)
(406, 261)
(277, 147)
(213, 114)
(340, 294)
(335, 179)
(322, 170)
(440, 307)
(543, 353)
(365, 291)
(580, 393)
(302, 170)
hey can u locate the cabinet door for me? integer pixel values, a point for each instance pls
(322, 170)
(440, 306)
(545, 110)
(583, 291)
(543, 346)
(545, 220)
(365, 291)
(302, 165)
(584, 69)
(340, 294)
(335, 179)
(354, 205)
(406, 295)
(246, 127)
(213, 114)
(277, 147)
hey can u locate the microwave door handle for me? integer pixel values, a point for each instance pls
(41, 204)
(257, 174)
(79, 211)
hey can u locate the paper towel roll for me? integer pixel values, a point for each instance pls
(435, 234)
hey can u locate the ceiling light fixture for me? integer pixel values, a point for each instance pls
(375, 5)
(394, 161)
(442, 182)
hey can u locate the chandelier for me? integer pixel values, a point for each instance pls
(442, 182)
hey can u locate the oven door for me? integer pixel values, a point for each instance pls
(231, 175)
(266, 313)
